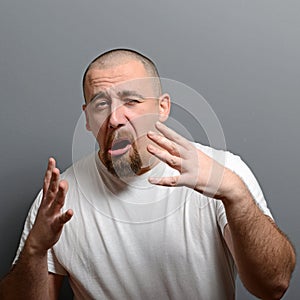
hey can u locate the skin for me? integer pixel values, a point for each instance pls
(44, 234)
(264, 257)
(125, 115)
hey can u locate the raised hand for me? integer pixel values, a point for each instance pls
(196, 169)
(50, 220)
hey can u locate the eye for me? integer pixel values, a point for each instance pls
(131, 101)
(101, 104)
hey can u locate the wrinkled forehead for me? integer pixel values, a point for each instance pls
(145, 87)
(128, 75)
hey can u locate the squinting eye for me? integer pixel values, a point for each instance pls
(132, 101)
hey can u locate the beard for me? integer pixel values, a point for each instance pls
(126, 165)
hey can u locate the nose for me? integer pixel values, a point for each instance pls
(117, 117)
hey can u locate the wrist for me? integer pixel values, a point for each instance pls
(33, 247)
(237, 200)
(234, 191)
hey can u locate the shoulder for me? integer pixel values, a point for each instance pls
(234, 163)
(231, 161)
(224, 157)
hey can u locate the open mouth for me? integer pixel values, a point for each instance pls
(119, 147)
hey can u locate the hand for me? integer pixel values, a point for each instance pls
(49, 221)
(196, 169)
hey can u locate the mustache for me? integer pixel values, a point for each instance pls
(119, 135)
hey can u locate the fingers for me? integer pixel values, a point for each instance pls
(55, 193)
(57, 204)
(172, 148)
(165, 181)
(164, 143)
(61, 220)
(53, 186)
(48, 174)
(59, 200)
(172, 135)
(172, 160)
(54, 189)
(65, 217)
(50, 220)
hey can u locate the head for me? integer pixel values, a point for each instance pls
(123, 100)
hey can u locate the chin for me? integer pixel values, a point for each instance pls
(127, 165)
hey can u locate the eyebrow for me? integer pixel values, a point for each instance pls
(127, 93)
(101, 94)
(121, 94)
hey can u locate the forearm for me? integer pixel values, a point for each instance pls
(264, 257)
(28, 279)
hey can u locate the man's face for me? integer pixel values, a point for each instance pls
(122, 106)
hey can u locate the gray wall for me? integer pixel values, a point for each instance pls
(242, 56)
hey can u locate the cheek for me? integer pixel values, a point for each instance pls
(141, 126)
(97, 124)
(101, 135)
(144, 122)
(98, 130)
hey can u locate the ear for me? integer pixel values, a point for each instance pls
(87, 123)
(164, 103)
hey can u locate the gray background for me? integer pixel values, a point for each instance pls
(242, 56)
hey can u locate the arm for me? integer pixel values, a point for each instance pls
(29, 277)
(264, 257)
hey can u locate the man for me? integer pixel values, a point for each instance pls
(153, 216)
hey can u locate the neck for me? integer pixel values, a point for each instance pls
(152, 163)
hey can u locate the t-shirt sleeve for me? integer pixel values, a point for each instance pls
(234, 163)
(53, 264)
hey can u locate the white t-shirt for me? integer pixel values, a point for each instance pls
(135, 240)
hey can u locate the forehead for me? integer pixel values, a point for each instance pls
(131, 75)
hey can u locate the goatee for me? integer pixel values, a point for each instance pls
(126, 165)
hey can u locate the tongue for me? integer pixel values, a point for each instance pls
(119, 148)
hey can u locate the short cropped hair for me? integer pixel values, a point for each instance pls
(118, 56)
